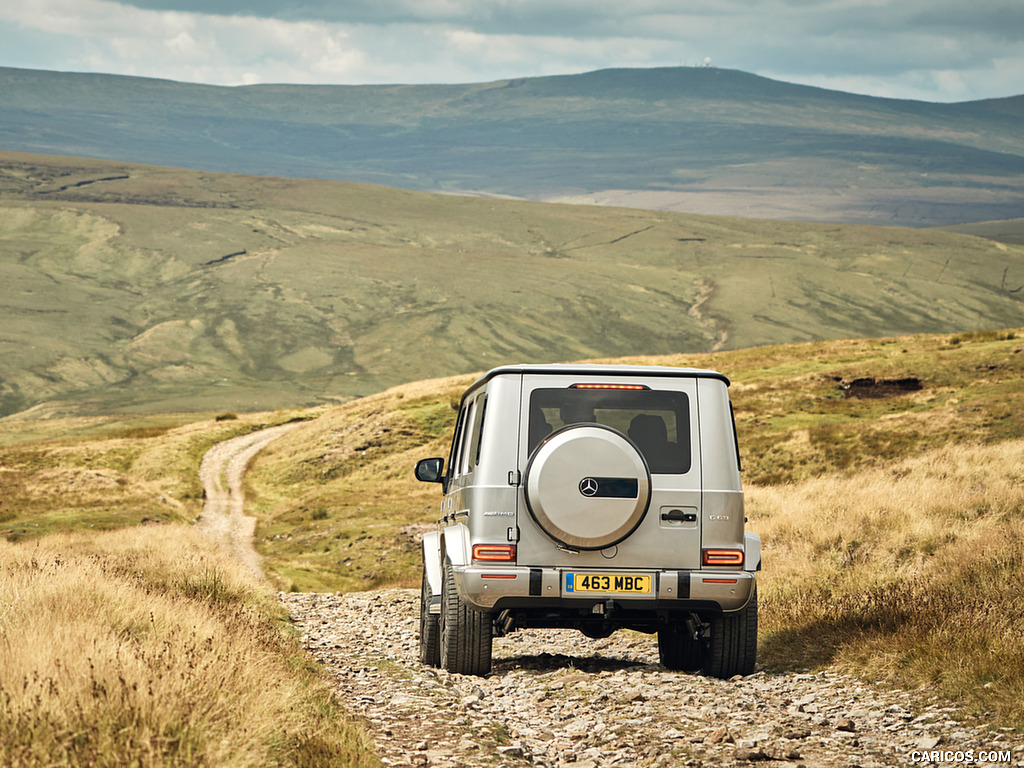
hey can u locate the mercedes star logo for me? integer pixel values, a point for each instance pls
(588, 486)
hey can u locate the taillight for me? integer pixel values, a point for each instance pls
(732, 557)
(494, 553)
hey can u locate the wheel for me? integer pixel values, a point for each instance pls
(465, 636)
(733, 648)
(678, 650)
(430, 628)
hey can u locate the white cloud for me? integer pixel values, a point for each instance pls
(183, 44)
(105, 36)
(921, 85)
(932, 49)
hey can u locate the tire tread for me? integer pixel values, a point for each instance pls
(733, 649)
(430, 627)
(465, 637)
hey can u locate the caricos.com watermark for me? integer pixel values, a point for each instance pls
(961, 756)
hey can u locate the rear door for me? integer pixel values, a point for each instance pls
(585, 499)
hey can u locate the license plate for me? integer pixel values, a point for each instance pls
(610, 583)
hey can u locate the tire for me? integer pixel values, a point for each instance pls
(678, 650)
(430, 627)
(733, 648)
(465, 634)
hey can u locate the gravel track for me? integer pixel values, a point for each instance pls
(557, 698)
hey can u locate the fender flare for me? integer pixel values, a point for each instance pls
(752, 551)
(432, 560)
(455, 544)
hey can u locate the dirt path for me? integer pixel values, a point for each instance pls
(221, 473)
(707, 321)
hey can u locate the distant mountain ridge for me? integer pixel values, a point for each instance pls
(131, 288)
(700, 140)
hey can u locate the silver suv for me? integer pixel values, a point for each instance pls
(596, 498)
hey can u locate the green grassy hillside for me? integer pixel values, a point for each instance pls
(140, 289)
(695, 139)
(1010, 231)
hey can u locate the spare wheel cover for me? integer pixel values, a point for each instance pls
(587, 486)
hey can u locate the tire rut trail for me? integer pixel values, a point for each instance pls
(222, 473)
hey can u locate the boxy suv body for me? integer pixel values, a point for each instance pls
(596, 498)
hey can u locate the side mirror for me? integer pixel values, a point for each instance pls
(430, 470)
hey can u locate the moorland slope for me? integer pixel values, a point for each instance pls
(144, 289)
(692, 139)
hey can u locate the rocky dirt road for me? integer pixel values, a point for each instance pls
(557, 698)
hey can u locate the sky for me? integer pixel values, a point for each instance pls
(932, 50)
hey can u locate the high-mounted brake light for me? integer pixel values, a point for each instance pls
(494, 553)
(722, 557)
(609, 386)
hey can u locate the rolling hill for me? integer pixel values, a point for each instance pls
(700, 140)
(142, 289)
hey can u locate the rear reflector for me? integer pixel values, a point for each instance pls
(609, 386)
(722, 557)
(498, 576)
(719, 581)
(494, 553)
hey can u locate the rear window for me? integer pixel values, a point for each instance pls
(657, 422)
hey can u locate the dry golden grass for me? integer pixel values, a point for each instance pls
(147, 647)
(910, 573)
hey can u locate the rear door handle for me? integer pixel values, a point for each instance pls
(678, 516)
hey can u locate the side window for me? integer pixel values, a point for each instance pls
(735, 437)
(472, 457)
(453, 455)
(467, 433)
(480, 430)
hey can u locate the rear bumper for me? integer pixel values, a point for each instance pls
(494, 588)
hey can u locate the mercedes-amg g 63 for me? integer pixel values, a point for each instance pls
(596, 498)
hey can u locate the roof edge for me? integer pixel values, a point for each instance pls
(594, 369)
